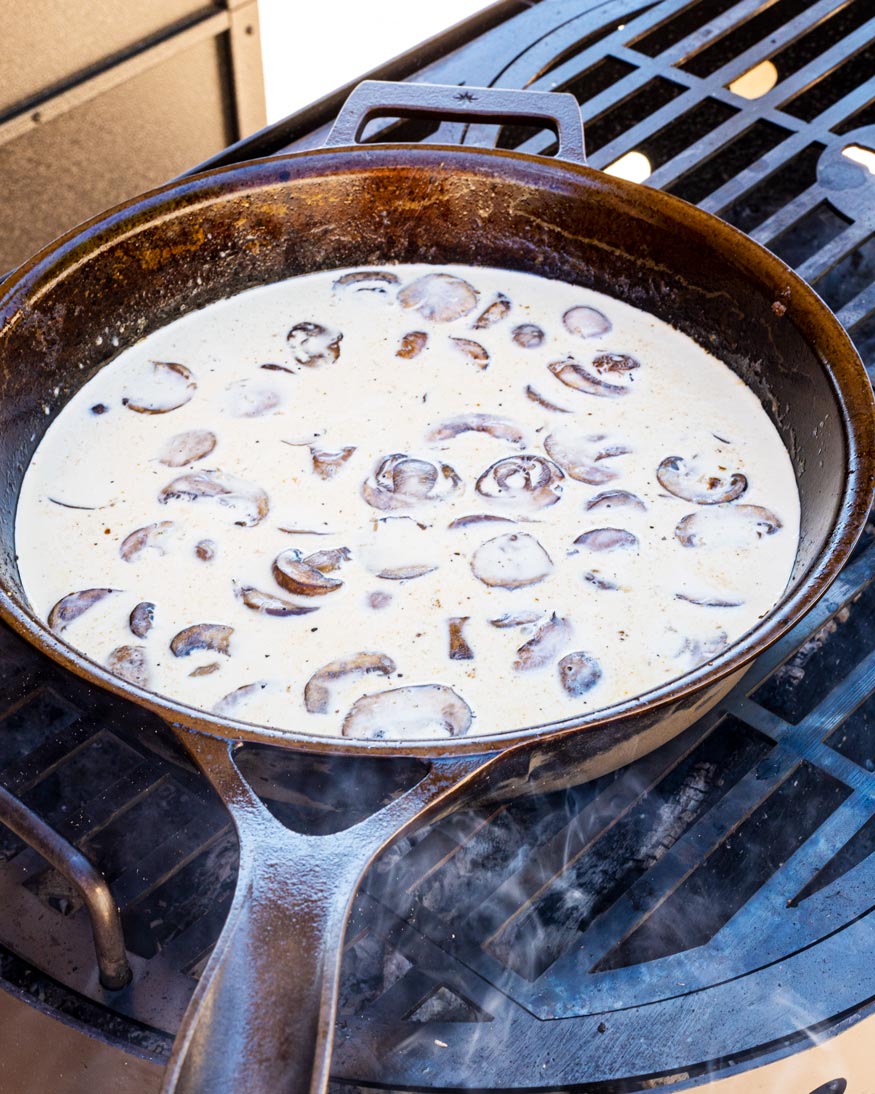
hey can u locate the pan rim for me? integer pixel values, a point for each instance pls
(180, 196)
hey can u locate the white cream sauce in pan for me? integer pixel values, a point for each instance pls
(407, 503)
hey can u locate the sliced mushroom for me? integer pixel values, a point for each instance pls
(268, 604)
(440, 297)
(503, 429)
(379, 600)
(326, 464)
(314, 345)
(142, 618)
(229, 704)
(412, 345)
(615, 363)
(131, 664)
(511, 561)
(528, 336)
(421, 711)
(271, 366)
(583, 457)
(687, 480)
(536, 397)
(402, 481)
(460, 650)
(494, 313)
(170, 387)
(71, 606)
(544, 645)
(326, 562)
(247, 399)
(696, 651)
(317, 695)
(579, 672)
(374, 281)
(607, 539)
(206, 670)
(600, 582)
(296, 576)
(406, 573)
(473, 351)
(729, 526)
(708, 600)
(145, 539)
(586, 322)
(574, 375)
(202, 636)
(616, 499)
(479, 518)
(205, 549)
(516, 619)
(530, 479)
(248, 502)
(185, 448)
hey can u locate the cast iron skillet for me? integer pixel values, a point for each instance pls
(262, 1016)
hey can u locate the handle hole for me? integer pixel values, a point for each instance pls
(401, 130)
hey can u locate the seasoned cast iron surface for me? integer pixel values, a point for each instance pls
(736, 863)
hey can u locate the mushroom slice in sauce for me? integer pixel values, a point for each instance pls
(375, 281)
(268, 604)
(406, 573)
(440, 297)
(206, 670)
(412, 345)
(696, 651)
(205, 549)
(479, 518)
(246, 399)
(379, 600)
(686, 480)
(583, 457)
(248, 502)
(511, 561)
(616, 499)
(503, 429)
(202, 636)
(727, 526)
(185, 448)
(71, 606)
(145, 539)
(229, 704)
(516, 619)
(472, 350)
(494, 313)
(131, 664)
(527, 336)
(296, 576)
(600, 582)
(460, 650)
(326, 464)
(579, 672)
(317, 695)
(326, 562)
(170, 387)
(420, 711)
(142, 618)
(709, 600)
(607, 539)
(574, 375)
(314, 345)
(402, 481)
(586, 322)
(536, 397)
(526, 478)
(544, 645)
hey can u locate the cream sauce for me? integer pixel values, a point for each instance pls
(302, 427)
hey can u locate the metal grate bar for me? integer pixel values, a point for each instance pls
(687, 48)
(784, 218)
(857, 309)
(833, 252)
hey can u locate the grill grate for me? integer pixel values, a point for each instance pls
(696, 913)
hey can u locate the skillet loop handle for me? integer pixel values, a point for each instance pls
(262, 1017)
(382, 99)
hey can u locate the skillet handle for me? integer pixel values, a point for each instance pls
(383, 99)
(262, 1017)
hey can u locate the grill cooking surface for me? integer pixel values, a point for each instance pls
(697, 912)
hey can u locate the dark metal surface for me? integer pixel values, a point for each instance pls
(409, 976)
(109, 943)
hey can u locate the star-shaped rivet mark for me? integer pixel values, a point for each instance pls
(465, 97)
